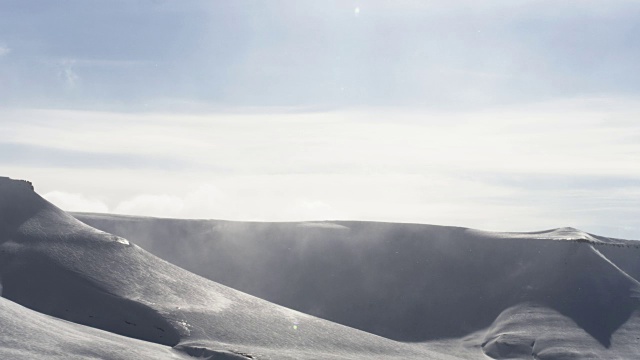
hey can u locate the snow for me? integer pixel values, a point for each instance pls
(27, 334)
(56, 265)
(323, 225)
(350, 290)
(420, 283)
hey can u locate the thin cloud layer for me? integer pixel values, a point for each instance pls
(433, 54)
(590, 137)
(550, 165)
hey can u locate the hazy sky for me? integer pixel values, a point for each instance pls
(505, 115)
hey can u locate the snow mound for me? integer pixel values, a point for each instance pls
(532, 331)
(565, 233)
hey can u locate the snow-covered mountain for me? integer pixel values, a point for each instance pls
(54, 264)
(359, 290)
(407, 282)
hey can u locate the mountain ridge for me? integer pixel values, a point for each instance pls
(266, 290)
(54, 264)
(375, 261)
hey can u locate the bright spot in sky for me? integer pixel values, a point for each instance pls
(356, 11)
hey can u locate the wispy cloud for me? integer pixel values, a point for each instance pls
(75, 202)
(67, 73)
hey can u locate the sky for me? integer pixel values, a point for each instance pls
(505, 115)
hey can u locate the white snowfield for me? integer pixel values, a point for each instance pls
(388, 291)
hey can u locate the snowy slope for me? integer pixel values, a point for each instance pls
(418, 282)
(54, 264)
(26, 334)
(447, 293)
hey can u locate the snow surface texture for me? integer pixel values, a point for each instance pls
(451, 289)
(72, 291)
(54, 264)
(26, 334)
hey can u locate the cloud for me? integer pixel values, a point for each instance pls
(205, 199)
(152, 205)
(55, 157)
(510, 168)
(4, 50)
(305, 209)
(232, 203)
(588, 137)
(75, 202)
(67, 73)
